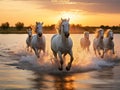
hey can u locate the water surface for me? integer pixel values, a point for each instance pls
(22, 70)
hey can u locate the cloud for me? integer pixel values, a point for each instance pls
(100, 6)
(90, 6)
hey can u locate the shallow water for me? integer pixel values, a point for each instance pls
(21, 70)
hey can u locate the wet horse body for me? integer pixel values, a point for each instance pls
(108, 42)
(98, 42)
(61, 44)
(38, 42)
(85, 42)
(28, 40)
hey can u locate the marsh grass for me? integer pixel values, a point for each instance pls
(13, 30)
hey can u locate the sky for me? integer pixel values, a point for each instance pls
(84, 12)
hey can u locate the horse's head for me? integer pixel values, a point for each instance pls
(86, 35)
(39, 28)
(65, 27)
(100, 33)
(109, 34)
(29, 31)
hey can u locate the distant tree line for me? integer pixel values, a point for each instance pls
(75, 28)
(18, 25)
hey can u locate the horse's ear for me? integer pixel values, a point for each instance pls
(42, 23)
(36, 22)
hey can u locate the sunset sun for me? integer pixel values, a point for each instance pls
(73, 16)
(67, 15)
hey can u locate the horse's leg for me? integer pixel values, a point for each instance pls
(36, 52)
(71, 60)
(30, 49)
(104, 51)
(39, 51)
(98, 50)
(64, 55)
(44, 51)
(113, 50)
(88, 49)
(27, 47)
(61, 60)
(95, 51)
(55, 54)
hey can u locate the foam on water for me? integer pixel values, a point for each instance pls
(83, 62)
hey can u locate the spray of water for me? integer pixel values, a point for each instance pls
(83, 62)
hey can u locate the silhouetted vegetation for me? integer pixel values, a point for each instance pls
(19, 25)
(5, 25)
(50, 29)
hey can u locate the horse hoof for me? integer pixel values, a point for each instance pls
(60, 68)
(67, 68)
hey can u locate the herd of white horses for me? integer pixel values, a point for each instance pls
(61, 43)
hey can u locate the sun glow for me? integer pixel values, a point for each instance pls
(72, 15)
(68, 15)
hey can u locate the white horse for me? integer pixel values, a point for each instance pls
(98, 42)
(38, 42)
(108, 42)
(85, 42)
(62, 44)
(29, 38)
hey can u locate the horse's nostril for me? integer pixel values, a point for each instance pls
(30, 35)
(40, 34)
(111, 38)
(102, 37)
(67, 35)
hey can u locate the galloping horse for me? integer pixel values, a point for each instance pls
(85, 42)
(29, 38)
(108, 42)
(62, 44)
(38, 42)
(98, 42)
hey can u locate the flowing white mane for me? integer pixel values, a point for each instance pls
(106, 34)
(38, 41)
(97, 32)
(98, 42)
(62, 44)
(58, 25)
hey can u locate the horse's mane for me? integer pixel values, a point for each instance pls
(58, 25)
(97, 32)
(106, 34)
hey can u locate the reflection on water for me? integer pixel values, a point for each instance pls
(20, 70)
(56, 82)
(64, 82)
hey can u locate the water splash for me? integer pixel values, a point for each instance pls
(83, 62)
